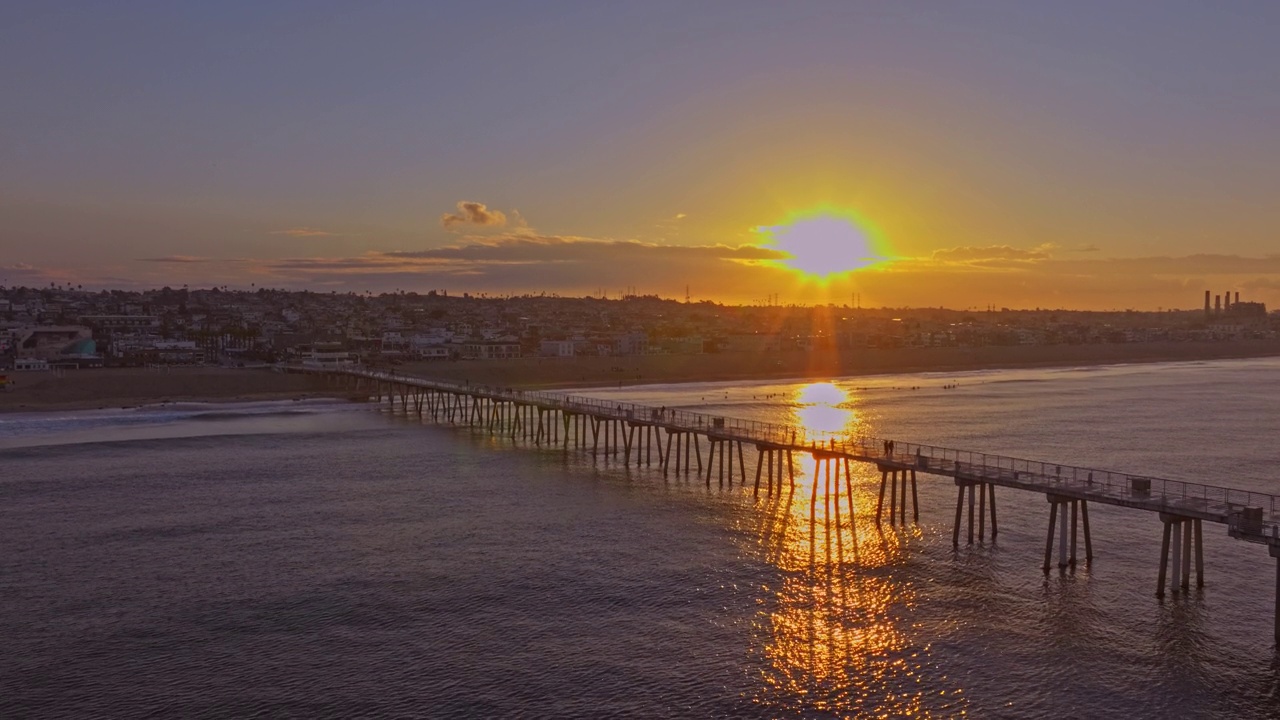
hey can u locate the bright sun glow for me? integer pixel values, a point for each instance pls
(826, 243)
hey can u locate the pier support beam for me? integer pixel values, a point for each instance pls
(1068, 538)
(955, 532)
(759, 468)
(915, 498)
(1088, 541)
(1063, 560)
(976, 503)
(711, 457)
(1048, 543)
(880, 503)
(893, 496)
(1275, 553)
(895, 480)
(853, 519)
(1181, 535)
(664, 455)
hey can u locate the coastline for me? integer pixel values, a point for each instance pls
(586, 372)
(133, 387)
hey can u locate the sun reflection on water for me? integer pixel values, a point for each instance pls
(836, 637)
(825, 410)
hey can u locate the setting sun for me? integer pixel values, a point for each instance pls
(823, 244)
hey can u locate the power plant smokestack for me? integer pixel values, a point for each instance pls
(1217, 303)
(1237, 298)
(1207, 307)
(1226, 300)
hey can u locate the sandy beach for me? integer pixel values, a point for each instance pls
(126, 387)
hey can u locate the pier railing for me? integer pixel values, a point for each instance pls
(1250, 515)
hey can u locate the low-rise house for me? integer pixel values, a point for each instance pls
(490, 350)
(115, 323)
(632, 343)
(556, 348)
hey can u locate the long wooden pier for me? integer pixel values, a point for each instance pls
(675, 439)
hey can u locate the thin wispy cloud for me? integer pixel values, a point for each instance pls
(1189, 266)
(562, 248)
(30, 275)
(473, 214)
(24, 273)
(991, 252)
(303, 232)
(518, 261)
(671, 225)
(181, 259)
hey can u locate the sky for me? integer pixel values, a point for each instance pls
(1091, 155)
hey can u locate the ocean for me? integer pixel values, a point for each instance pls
(332, 559)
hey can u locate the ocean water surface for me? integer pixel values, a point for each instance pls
(335, 559)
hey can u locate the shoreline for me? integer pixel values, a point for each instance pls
(626, 371)
(1048, 365)
(139, 403)
(129, 388)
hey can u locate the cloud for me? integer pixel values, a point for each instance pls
(1189, 266)
(21, 272)
(518, 262)
(1261, 284)
(373, 261)
(681, 216)
(175, 259)
(967, 254)
(572, 249)
(299, 232)
(473, 213)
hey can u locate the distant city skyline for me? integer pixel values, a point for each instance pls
(1087, 155)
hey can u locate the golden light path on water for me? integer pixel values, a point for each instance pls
(835, 635)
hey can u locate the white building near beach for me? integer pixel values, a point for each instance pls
(327, 359)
